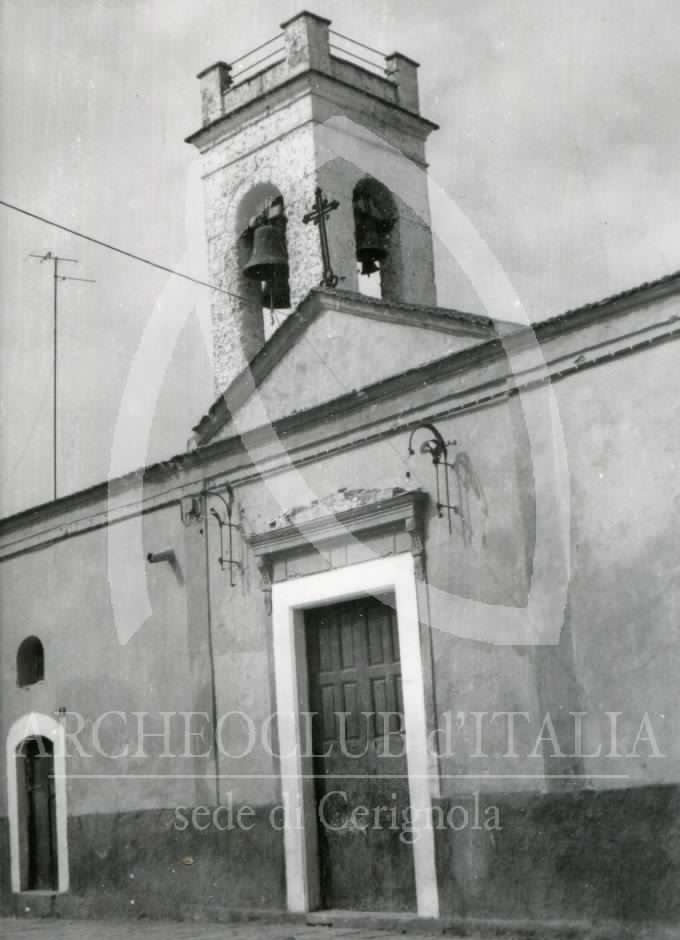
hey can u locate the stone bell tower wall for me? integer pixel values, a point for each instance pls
(309, 119)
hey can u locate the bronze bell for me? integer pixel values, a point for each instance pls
(268, 263)
(370, 246)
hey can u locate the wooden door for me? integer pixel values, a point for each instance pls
(361, 782)
(40, 809)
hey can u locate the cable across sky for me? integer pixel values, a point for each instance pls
(122, 251)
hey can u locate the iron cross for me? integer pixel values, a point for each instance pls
(322, 209)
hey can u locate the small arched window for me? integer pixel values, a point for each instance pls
(30, 662)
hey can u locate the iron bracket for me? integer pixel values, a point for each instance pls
(224, 522)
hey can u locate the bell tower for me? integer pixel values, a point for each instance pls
(312, 110)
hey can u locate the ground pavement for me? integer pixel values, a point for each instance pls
(49, 929)
(45, 929)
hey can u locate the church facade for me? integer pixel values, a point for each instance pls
(399, 631)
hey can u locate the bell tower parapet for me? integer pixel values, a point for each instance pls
(307, 43)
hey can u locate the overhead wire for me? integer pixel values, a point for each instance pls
(122, 251)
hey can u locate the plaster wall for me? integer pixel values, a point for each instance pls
(61, 594)
(619, 640)
(601, 841)
(620, 423)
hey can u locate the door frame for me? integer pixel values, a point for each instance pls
(396, 574)
(35, 725)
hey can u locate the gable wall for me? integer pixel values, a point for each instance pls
(337, 354)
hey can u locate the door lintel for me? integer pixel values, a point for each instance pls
(344, 516)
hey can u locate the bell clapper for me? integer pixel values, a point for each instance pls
(272, 315)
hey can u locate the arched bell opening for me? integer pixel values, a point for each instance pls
(263, 255)
(375, 228)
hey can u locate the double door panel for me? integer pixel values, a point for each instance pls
(361, 781)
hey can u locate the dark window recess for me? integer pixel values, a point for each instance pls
(38, 821)
(30, 662)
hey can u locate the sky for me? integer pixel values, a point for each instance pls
(559, 145)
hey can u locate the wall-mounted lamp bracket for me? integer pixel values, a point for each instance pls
(223, 519)
(438, 449)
